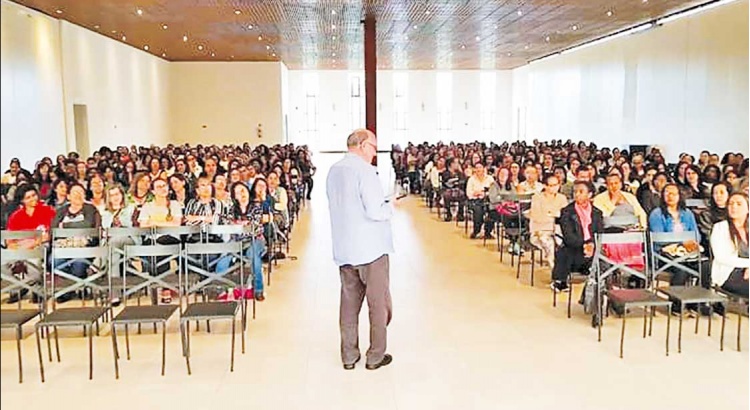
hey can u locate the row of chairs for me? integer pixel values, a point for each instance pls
(187, 267)
(656, 268)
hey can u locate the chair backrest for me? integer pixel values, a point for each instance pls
(199, 275)
(126, 232)
(177, 231)
(6, 235)
(97, 270)
(682, 261)
(157, 268)
(62, 233)
(34, 258)
(696, 203)
(622, 220)
(623, 252)
(234, 229)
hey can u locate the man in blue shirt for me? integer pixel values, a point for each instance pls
(362, 240)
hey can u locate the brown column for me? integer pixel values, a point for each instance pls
(370, 78)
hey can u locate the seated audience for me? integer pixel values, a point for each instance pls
(454, 185)
(615, 202)
(716, 212)
(545, 209)
(477, 188)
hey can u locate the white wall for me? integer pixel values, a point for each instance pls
(124, 88)
(683, 85)
(334, 122)
(32, 121)
(223, 103)
(48, 65)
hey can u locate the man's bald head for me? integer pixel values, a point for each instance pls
(358, 136)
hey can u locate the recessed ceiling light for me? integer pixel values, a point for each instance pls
(164, 26)
(333, 12)
(495, 26)
(145, 47)
(232, 56)
(414, 27)
(237, 12)
(114, 31)
(140, 12)
(334, 54)
(273, 54)
(184, 39)
(260, 38)
(333, 26)
(200, 47)
(268, 47)
(58, 11)
(250, 27)
(645, 1)
(546, 39)
(427, 12)
(609, 13)
(510, 54)
(163, 54)
(477, 38)
(526, 47)
(334, 38)
(96, 26)
(463, 46)
(213, 54)
(519, 12)
(575, 27)
(124, 38)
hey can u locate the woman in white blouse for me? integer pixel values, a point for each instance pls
(729, 241)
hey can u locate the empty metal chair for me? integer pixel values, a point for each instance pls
(605, 266)
(688, 294)
(134, 281)
(232, 278)
(16, 318)
(87, 317)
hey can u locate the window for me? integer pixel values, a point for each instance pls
(311, 105)
(487, 93)
(400, 105)
(444, 104)
(356, 102)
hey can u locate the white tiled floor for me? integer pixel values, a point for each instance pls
(466, 335)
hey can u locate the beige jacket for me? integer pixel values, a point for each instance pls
(604, 204)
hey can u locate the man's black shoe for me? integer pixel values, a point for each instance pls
(16, 296)
(387, 359)
(352, 365)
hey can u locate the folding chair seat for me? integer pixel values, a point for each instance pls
(88, 317)
(133, 282)
(10, 284)
(684, 295)
(605, 267)
(212, 310)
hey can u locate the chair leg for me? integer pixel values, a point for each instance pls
(697, 320)
(723, 323)
(554, 298)
(570, 298)
(739, 331)
(91, 352)
(679, 329)
(622, 336)
(231, 361)
(669, 321)
(645, 320)
(19, 335)
(39, 352)
(127, 343)
(532, 267)
(49, 343)
(57, 345)
(163, 346)
(651, 320)
(115, 353)
(710, 318)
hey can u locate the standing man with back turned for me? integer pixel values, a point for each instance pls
(362, 240)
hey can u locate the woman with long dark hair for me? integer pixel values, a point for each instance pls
(729, 243)
(716, 212)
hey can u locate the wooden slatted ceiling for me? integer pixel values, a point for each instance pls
(327, 34)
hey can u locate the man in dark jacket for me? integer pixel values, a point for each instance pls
(579, 222)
